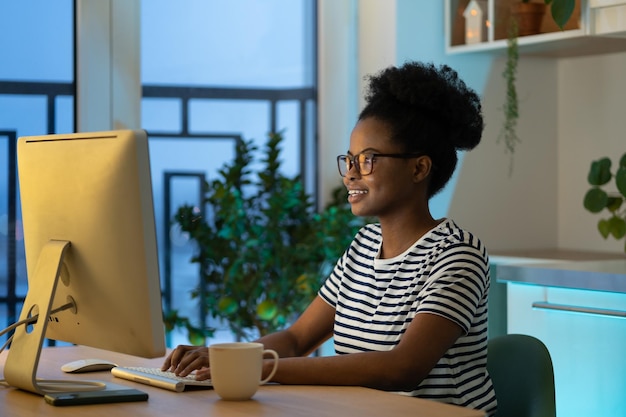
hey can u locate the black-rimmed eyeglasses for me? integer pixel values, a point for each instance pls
(364, 162)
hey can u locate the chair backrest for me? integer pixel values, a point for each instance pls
(521, 370)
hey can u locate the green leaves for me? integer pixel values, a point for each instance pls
(510, 108)
(600, 172)
(197, 336)
(614, 226)
(262, 246)
(227, 306)
(617, 227)
(620, 179)
(561, 10)
(598, 199)
(267, 310)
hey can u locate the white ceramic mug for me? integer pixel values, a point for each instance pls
(236, 369)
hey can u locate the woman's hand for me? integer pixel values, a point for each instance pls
(185, 359)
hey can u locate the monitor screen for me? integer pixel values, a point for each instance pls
(90, 240)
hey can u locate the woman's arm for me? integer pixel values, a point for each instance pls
(402, 368)
(426, 340)
(309, 331)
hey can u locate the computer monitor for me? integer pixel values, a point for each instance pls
(90, 241)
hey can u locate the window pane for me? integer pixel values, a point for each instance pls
(230, 43)
(24, 113)
(162, 115)
(248, 117)
(37, 40)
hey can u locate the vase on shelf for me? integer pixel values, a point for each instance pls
(528, 16)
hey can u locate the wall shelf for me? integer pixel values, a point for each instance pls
(596, 27)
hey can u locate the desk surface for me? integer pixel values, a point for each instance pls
(270, 400)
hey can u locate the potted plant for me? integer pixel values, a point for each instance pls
(561, 11)
(528, 16)
(598, 199)
(263, 248)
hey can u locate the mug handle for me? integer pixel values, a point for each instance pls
(275, 355)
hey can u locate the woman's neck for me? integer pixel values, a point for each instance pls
(398, 236)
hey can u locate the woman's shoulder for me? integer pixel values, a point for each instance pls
(450, 230)
(453, 237)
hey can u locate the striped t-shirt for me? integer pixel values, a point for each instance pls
(446, 272)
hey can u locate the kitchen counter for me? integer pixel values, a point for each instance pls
(575, 303)
(564, 269)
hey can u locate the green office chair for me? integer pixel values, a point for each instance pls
(521, 370)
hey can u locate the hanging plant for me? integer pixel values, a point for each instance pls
(508, 133)
(561, 11)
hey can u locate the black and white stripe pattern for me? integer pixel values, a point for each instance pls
(446, 272)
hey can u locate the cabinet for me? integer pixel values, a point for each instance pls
(588, 350)
(596, 27)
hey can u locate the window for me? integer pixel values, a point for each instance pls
(36, 97)
(214, 73)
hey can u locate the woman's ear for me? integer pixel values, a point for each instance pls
(422, 167)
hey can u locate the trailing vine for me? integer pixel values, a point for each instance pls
(561, 11)
(508, 133)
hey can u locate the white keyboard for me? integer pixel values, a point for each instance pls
(159, 378)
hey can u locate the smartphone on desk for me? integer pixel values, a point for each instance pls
(95, 397)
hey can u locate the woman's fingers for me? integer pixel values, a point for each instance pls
(185, 359)
(203, 373)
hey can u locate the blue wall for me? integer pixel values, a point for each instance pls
(420, 36)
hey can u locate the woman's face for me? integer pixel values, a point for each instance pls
(390, 187)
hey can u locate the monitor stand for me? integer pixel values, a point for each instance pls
(20, 369)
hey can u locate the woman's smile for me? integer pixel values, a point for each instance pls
(355, 195)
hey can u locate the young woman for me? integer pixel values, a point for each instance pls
(407, 302)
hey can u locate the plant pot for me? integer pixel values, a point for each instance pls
(528, 16)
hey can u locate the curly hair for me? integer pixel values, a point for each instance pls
(429, 110)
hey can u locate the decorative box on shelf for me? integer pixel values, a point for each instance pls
(607, 17)
(476, 21)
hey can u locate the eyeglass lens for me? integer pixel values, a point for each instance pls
(362, 162)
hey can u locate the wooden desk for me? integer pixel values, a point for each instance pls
(270, 400)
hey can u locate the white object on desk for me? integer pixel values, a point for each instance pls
(88, 365)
